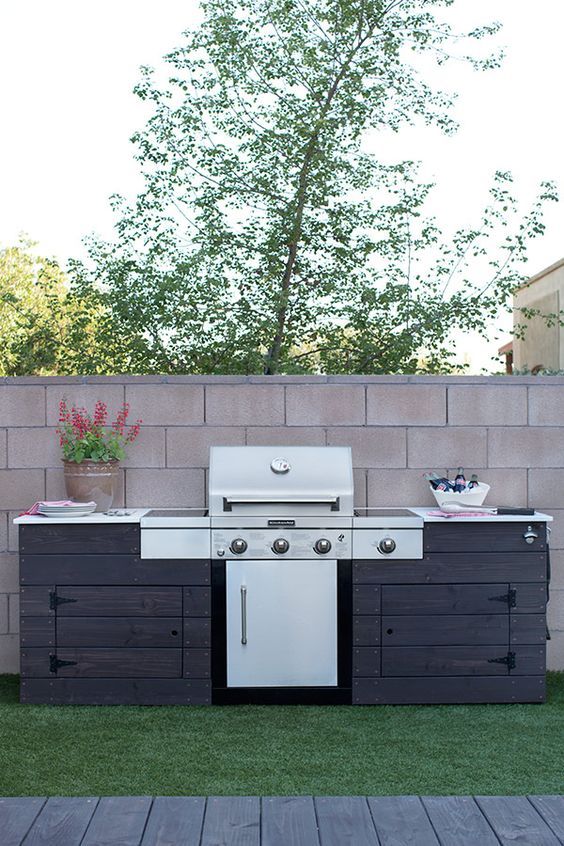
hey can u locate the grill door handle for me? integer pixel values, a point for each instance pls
(244, 615)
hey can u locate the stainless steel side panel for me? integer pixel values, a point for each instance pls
(175, 543)
(409, 543)
(286, 611)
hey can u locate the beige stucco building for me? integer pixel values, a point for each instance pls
(542, 347)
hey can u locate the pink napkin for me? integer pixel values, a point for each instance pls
(35, 507)
(460, 514)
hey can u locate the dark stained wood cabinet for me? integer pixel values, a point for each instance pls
(101, 626)
(465, 624)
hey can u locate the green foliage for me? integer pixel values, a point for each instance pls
(90, 438)
(45, 328)
(266, 238)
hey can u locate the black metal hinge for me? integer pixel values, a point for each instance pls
(55, 600)
(510, 597)
(55, 663)
(509, 659)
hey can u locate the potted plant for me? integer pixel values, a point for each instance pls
(92, 450)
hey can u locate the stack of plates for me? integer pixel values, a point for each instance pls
(77, 509)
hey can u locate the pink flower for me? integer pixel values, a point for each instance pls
(100, 413)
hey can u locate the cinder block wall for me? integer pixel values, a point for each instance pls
(510, 430)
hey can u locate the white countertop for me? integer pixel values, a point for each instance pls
(122, 515)
(134, 515)
(537, 517)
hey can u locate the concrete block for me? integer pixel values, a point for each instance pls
(398, 488)
(556, 528)
(430, 448)
(165, 488)
(9, 573)
(21, 488)
(3, 447)
(483, 405)
(13, 613)
(557, 569)
(360, 488)
(526, 447)
(56, 487)
(166, 405)
(546, 488)
(22, 405)
(406, 405)
(546, 405)
(244, 405)
(555, 651)
(325, 405)
(34, 448)
(148, 450)
(9, 653)
(555, 611)
(508, 487)
(285, 436)
(13, 532)
(84, 396)
(189, 446)
(3, 613)
(3, 532)
(372, 446)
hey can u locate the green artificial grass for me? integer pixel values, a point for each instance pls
(332, 750)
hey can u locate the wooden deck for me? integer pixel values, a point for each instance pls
(283, 821)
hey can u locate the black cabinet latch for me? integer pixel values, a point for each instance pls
(55, 600)
(55, 663)
(509, 659)
(510, 597)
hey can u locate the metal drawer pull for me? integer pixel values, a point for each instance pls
(529, 535)
(244, 615)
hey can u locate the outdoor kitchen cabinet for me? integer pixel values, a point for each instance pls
(467, 623)
(100, 625)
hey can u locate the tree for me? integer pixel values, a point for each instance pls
(45, 329)
(266, 238)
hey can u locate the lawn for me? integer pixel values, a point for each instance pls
(484, 749)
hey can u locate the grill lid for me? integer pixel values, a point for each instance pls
(280, 480)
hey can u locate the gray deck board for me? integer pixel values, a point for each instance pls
(515, 821)
(283, 821)
(458, 821)
(551, 809)
(289, 821)
(175, 821)
(345, 821)
(17, 816)
(402, 821)
(232, 821)
(118, 821)
(62, 820)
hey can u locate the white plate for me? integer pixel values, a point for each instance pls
(80, 505)
(74, 510)
(73, 513)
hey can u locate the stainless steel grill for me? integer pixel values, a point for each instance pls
(281, 533)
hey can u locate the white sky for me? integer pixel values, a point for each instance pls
(67, 70)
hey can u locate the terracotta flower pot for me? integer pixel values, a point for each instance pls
(92, 480)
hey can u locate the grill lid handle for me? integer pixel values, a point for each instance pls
(229, 502)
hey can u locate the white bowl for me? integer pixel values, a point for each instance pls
(475, 496)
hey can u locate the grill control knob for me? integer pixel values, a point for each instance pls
(280, 545)
(238, 546)
(322, 546)
(387, 545)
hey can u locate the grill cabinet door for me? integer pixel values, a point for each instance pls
(287, 613)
